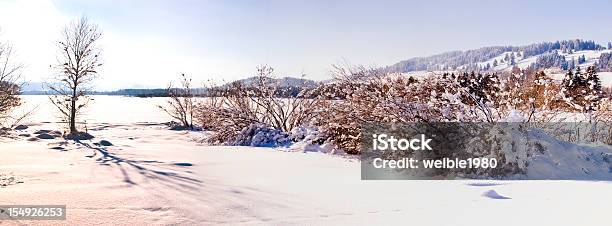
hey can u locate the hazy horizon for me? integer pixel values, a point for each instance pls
(148, 43)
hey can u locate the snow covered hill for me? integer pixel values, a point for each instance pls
(591, 57)
(552, 57)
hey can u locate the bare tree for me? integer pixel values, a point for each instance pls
(78, 61)
(9, 74)
(181, 103)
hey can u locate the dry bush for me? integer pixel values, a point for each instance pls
(9, 88)
(181, 105)
(548, 106)
(362, 95)
(604, 111)
(602, 121)
(596, 126)
(238, 106)
(537, 96)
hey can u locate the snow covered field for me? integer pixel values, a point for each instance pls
(151, 175)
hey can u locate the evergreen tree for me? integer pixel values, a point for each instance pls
(605, 62)
(594, 91)
(578, 80)
(567, 81)
(580, 92)
(593, 80)
(482, 88)
(581, 59)
(495, 63)
(609, 45)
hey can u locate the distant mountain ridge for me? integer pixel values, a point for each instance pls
(477, 59)
(284, 82)
(278, 82)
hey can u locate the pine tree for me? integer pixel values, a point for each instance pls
(571, 64)
(564, 65)
(578, 80)
(567, 81)
(581, 59)
(594, 91)
(495, 63)
(609, 45)
(593, 79)
(582, 93)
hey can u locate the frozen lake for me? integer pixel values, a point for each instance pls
(103, 109)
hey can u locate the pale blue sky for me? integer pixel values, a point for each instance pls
(227, 39)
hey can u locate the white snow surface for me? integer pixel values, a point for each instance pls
(155, 176)
(565, 160)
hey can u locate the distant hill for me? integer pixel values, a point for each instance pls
(284, 83)
(278, 82)
(33, 88)
(542, 55)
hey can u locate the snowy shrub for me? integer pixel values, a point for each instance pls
(311, 139)
(334, 113)
(237, 106)
(311, 135)
(374, 96)
(533, 94)
(260, 135)
(508, 143)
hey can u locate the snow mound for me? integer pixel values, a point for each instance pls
(260, 135)
(494, 195)
(514, 116)
(299, 139)
(565, 160)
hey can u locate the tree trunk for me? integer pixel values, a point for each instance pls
(73, 116)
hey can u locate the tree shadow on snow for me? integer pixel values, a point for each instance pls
(169, 174)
